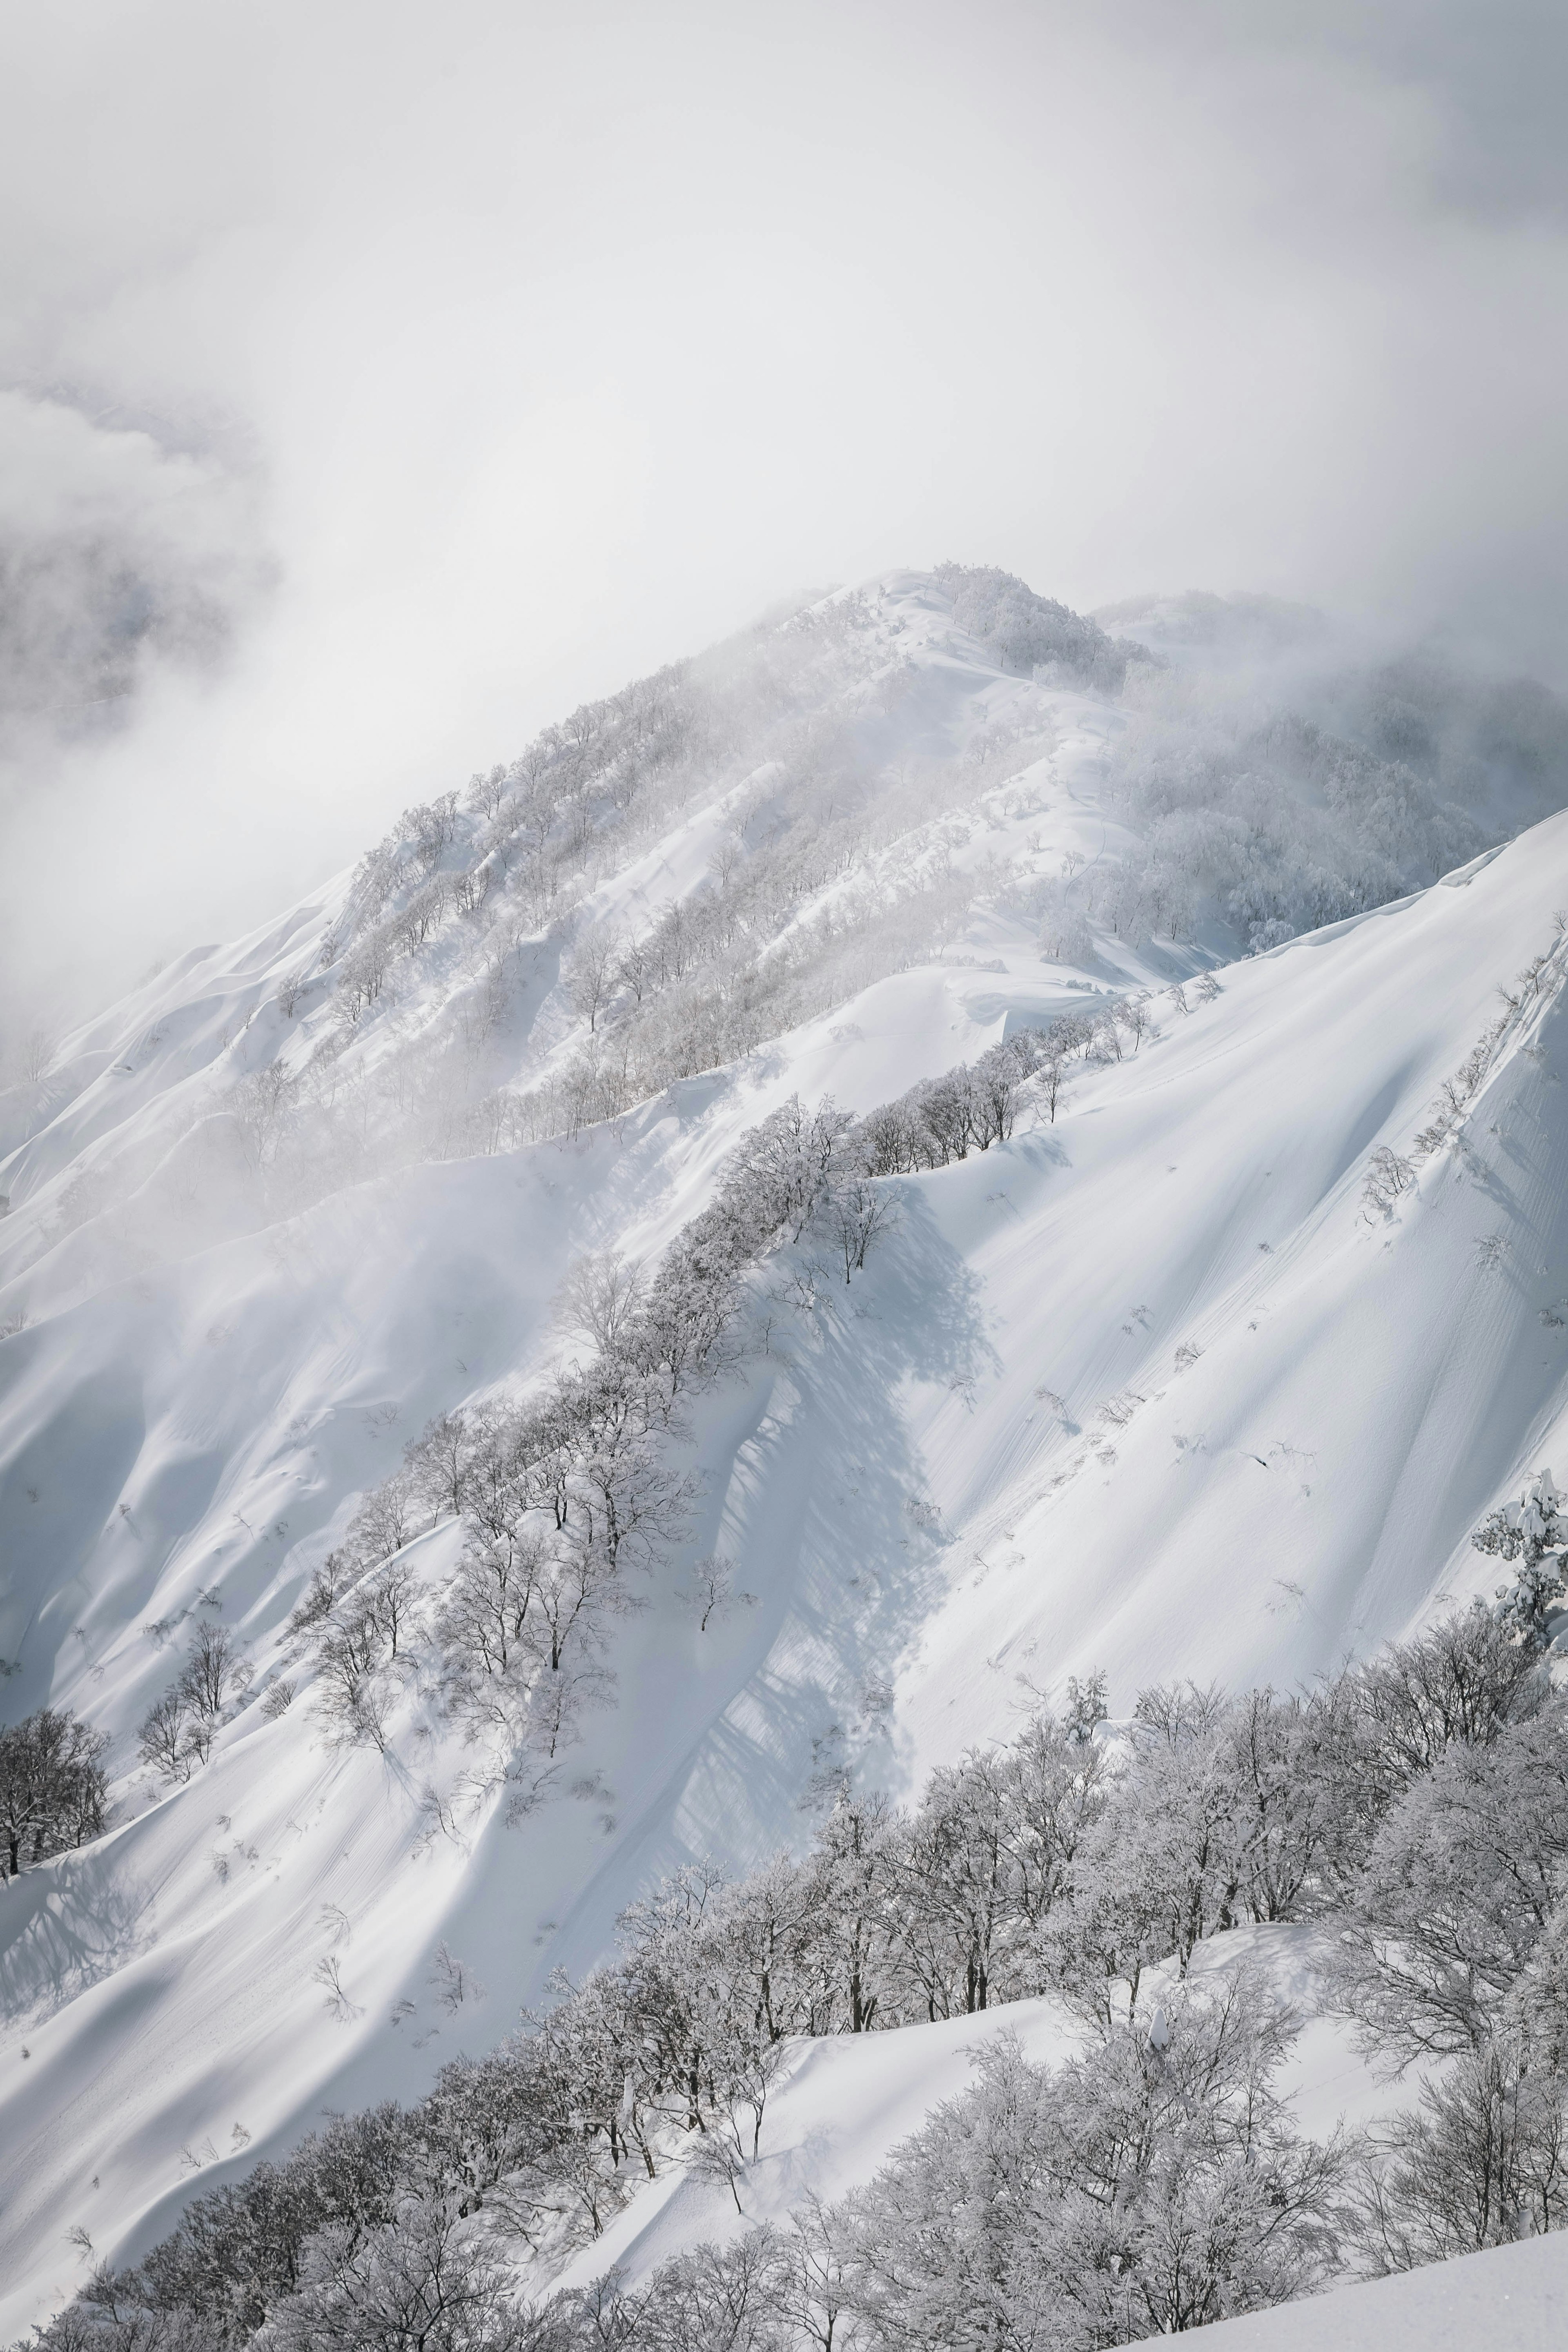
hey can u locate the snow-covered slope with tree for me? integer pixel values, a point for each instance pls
(1211, 1373)
(847, 2102)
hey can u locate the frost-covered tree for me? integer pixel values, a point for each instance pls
(1458, 1891)
(1481, 2161)
(1388, 1177)
(1029, 633)
(177, 1733)
(777, 1177)
(858, 1212)
(1534, 1532)
(981, 1866)
(483, 1622)
(439, 1462)
(600, 1301)
(1417, 1801)
(594, 973)
(1463, 1679)
(1051, 1071)
(1157, 1870)
(1151, 2186)
(238, 2251)
(384, 1520)
(851, 1880)
(1291, 1764)
(53, 1790)
(972, 1107)
(428, 2280)
(734, 2298)
(1535, 2013)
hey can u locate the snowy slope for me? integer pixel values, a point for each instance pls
(918, 1482)
(1364, 1385)
(1509, 2299)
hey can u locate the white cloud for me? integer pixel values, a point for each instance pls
(534, 346)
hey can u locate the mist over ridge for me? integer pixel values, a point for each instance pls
(324, 481)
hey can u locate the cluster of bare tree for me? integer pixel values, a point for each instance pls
(1543, 976)
(1417, 1804)
(565, 1492)
(53, 1793)
(177, 1733)
(561, 1494)
(975, 1105)
(522, 825)
(716, 1009)
(532, 837)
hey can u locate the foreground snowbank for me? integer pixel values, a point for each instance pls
(1509, 2299)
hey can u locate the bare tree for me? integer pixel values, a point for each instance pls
(709, 1590)
(164, 1742)
(53, 1790)
(600, 1300)
(858, 1212)
(211, 1668)
(437, 1462)
(592, 975)
(37, 1053)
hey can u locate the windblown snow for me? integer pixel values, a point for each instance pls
(1150, 1387)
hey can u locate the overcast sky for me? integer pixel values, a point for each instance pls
(378, 381)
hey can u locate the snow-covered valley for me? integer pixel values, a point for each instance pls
(1161, 1386)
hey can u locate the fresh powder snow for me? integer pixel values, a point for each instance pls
(1152, 1387)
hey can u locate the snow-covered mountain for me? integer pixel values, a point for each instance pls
(1211, 1374)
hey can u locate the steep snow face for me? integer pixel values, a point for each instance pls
(1278, 1410)
(1146, 1388)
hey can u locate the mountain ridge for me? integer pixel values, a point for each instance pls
(974, 1474)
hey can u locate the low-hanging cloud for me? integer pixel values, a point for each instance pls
(379, 381)
(117, 554)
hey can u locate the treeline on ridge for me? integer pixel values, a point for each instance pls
(564, 1492)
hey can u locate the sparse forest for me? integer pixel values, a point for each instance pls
(1415, 1808)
